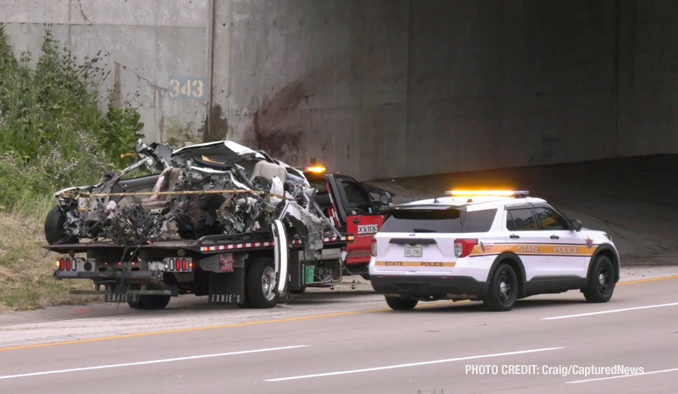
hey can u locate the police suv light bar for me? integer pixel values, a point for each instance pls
(487, 193)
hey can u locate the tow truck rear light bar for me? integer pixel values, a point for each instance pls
(179, 264)
(67, 264)
(270, 244)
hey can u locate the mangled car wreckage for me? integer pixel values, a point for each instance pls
(198, 195)
(197, 191)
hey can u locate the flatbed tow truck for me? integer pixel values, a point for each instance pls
(255, 270)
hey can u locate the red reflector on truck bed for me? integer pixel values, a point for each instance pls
(270, 244)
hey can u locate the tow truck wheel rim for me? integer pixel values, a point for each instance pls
(267, 283)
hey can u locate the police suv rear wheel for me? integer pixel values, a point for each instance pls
(401, 304)
(503, 292)
(601, 281)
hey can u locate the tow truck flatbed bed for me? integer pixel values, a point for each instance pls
(205, 245)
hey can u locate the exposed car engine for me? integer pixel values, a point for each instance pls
(200, 190)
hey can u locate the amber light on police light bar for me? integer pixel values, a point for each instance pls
(487, 193)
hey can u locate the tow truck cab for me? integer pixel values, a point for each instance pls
(355, 208)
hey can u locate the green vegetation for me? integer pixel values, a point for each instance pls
(53, 134)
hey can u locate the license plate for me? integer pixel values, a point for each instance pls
(118, 297)
(413, 251)
(156, 266)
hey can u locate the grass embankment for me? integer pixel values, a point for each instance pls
(53, 134)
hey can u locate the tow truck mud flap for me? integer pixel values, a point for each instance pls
(119, 293)
(228, 288)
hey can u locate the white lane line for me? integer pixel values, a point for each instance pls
(625, 376)
(413, 364)
(610, 311)
(168, 360)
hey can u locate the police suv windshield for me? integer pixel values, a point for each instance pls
(439, 221)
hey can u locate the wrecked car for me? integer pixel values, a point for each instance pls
(205, 189)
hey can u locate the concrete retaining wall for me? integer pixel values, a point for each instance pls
(150, 47)
(391, 88)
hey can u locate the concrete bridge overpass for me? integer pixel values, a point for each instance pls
(387, 88)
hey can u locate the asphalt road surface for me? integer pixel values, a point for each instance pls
(545, 345)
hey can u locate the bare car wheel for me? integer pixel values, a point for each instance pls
(55, 234)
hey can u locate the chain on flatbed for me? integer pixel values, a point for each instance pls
(176, 193)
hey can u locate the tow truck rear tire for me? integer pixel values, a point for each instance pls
(135, 304)
(260, 276)
(503, 292)
(150, 302)
(401, 304)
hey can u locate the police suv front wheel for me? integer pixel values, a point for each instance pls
(401, 304)
(503, 292)
(601, 281)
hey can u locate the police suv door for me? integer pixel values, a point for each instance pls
(527, 241)
(362, 219)
(570, 253)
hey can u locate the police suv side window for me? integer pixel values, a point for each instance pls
(551, 220)
(520, 220)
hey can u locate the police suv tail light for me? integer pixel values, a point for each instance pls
(374, 247)
(463, 247)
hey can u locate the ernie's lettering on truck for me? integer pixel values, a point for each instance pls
(368, 229)
(225, 298)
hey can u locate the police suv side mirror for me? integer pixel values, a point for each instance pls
(576, 225)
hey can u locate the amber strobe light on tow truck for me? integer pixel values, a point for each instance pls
(488, 193)
(316, 169)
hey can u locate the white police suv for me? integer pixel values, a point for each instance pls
(494, 246)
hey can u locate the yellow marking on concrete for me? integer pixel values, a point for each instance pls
(631, 282)
(194, 329)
